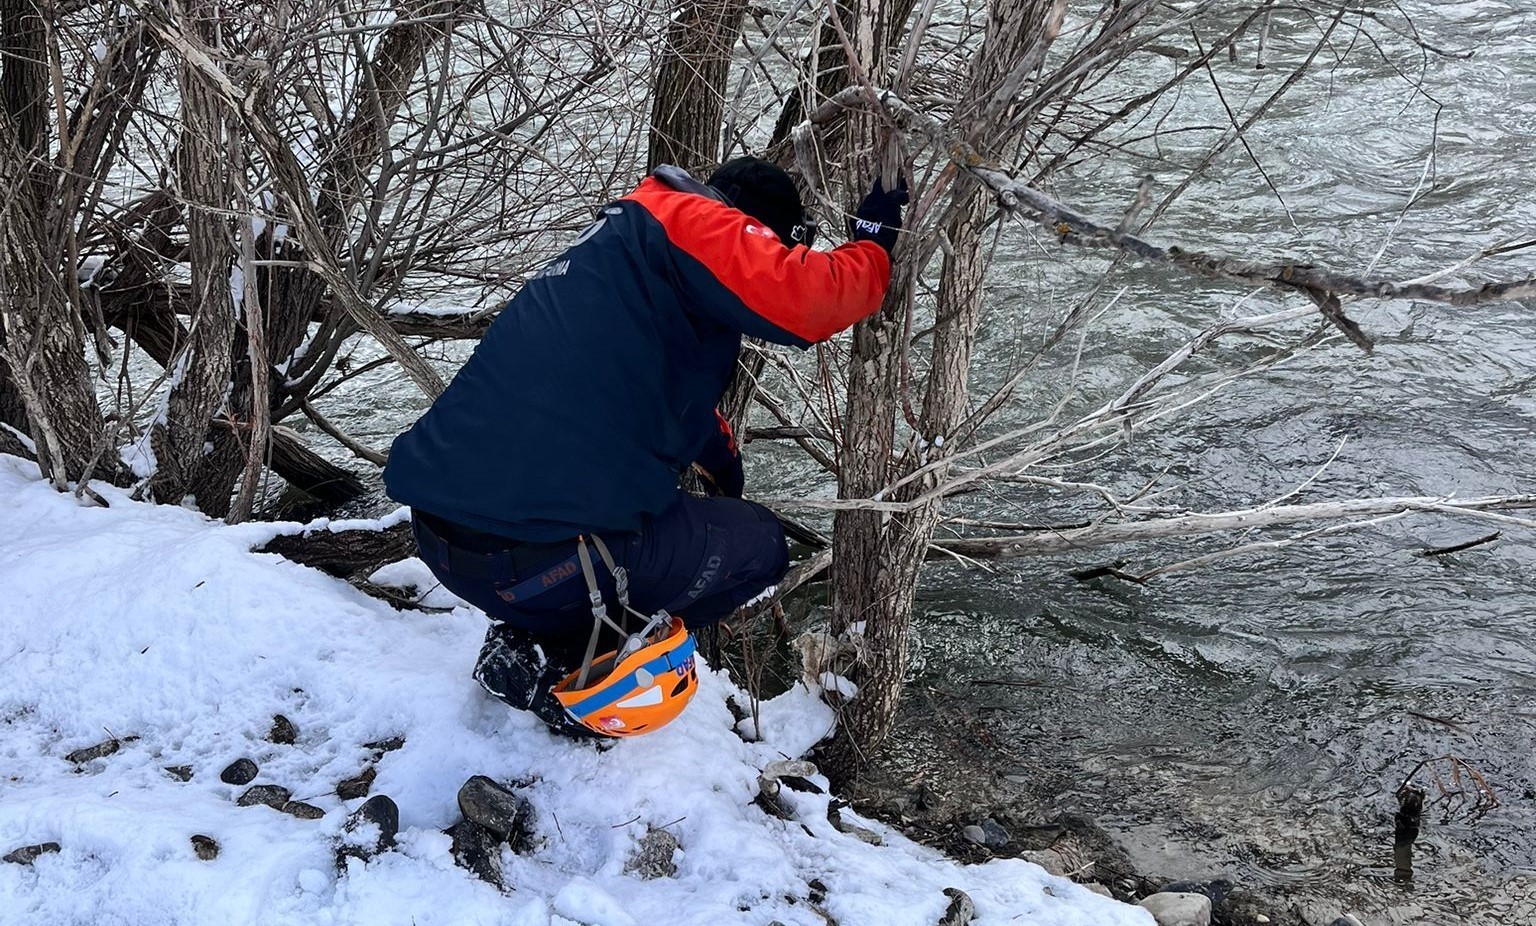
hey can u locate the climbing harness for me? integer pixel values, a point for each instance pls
(647, 681)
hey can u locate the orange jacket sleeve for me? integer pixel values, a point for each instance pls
(736, 270)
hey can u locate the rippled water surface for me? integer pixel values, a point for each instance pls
(1254, 718)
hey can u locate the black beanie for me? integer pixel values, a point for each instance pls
(765, 192)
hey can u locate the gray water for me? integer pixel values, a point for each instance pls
(1254, 718)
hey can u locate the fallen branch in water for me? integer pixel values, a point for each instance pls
(1068, 540)
(1458, 547)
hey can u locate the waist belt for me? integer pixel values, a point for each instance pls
(533, 568)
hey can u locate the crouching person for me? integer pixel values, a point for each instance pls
(544, 482)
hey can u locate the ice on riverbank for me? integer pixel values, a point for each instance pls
(153, 622)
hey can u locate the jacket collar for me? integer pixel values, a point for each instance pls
(680, 180)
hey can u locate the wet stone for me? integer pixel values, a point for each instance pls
(1218, 889)
(357, 786)
(239, 772)
(302, 810)
(369, 830)
(478, 850)
(98, 751)
(996, 834)
(283, 732)
(653, 857)
(179, 772)
(26, 855)
(206, 847)
(1170, 909)
(386, 745)
(274, 796)
(497, 808)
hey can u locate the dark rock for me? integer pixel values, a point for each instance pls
(205, 847)
(818, 890)
(26, 855)
(796, 783)
(497, 808)
(179, 772)
(996, 835)
(773, 805)
(369, 830)
(98, 751)
(961, 909)
(239, 772)
(357, 786)
(274, 796)
(1218, 889)
(386, 745)
(283, 732)
(1244, 908)
(302, 810)
(478, 850)
(653, 857)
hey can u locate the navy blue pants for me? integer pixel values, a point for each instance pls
(700, 559)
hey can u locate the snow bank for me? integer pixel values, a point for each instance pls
(153, 622)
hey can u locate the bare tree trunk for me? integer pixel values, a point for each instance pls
(877, 557)
(688, 97)
(872, 585)
(200, 371)
(13, 412)
(258, 430)
(43, 336)
(877, 587)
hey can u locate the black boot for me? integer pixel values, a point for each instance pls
(517, 670)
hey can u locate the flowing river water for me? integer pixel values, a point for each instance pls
(1254, 718)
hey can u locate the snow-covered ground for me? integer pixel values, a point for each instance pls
(156, 623)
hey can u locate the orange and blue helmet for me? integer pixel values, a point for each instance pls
(636, 693)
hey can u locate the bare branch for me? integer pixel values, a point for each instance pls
(1096, 536)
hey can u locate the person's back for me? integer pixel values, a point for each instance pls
(569, 427)
(596, 385)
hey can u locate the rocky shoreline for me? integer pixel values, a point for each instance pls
(935, 786)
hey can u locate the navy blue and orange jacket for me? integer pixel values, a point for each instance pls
(597, 383)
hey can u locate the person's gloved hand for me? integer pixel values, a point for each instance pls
(720, 462)
(879, 216)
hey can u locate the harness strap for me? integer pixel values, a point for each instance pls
(599, 609)
(600, 616)
(620, 575)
